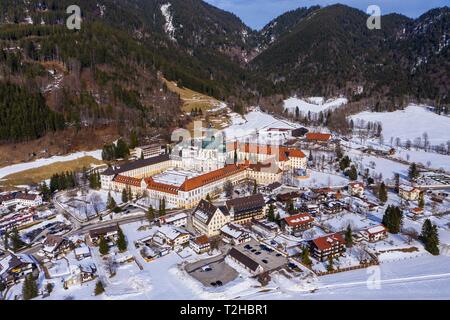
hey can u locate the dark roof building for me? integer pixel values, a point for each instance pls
(245, 261)
(112, 171)
(244, 209)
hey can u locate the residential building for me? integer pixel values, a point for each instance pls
(408, 192)
(82, 252)
(356, 189)
(374, 234)
(318, 137)
(265, 227)
(17, 219)
(79, 275)
(243, 210)
(20, 198)
(200, 244)
(15, 267)
(297, 223)
(234, 234)
(171, 236)
(148, 151)
(209, 219)
(55, 246)
(178, 219)
(330, 245)
(109, 233)
(333, 207)
(245, 261)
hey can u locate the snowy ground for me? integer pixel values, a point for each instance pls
(313, 104)
(321, 179)
(254, 121)
(5, 171)
(87, 205)
(410, 124)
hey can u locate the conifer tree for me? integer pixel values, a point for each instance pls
(255, 187)
(121, 241)
(103, 247)
(413, 172)
(305, 257)
(99, 288)
(271, 213)
(382, 193)
(150, 214)
(124, 195)
(421, 202)
(330, 266)
(393, 219)
(30, 288)
(111, 203)
(430, 237)
(348, 237)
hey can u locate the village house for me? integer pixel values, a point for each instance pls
(234, 234)
(243, 210)
(55, 246)
(408, 192)
(147, 151)
(200, 244)
(245, 261)
(297, 223)
(316, 137)
(209, 219)
(356, 189)
(109, 233)
(271, 188)
(374, 234)
(332, 207)
(82, 252)
(171, 236)
(15, 267)
(265, 227)
(330, 245)
(174, 219)
(17, 219)
(416, 211)
(20, 198)
(79, 275)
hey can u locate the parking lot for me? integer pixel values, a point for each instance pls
(212, 272)
(265, 256)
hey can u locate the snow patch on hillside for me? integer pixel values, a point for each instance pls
(313, 104)
(168, 26)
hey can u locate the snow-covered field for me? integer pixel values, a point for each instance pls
(5, 171)
(255, 121)
(313, 104)
(410, 124)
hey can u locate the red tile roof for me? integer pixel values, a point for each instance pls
(201, 240)
(327, 242)
(157, 186)
(128, 180)
(299, 219)
(212, 176)
(318, 136)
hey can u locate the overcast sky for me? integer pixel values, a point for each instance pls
(257, 13)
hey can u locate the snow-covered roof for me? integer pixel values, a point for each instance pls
(170, 232)
(231, 231)
(376, 229)
(175, 217)
(81, 250)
